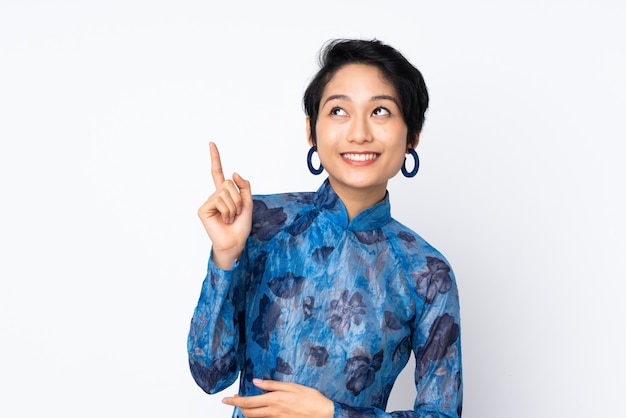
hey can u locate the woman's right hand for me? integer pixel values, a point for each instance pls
(227, 214)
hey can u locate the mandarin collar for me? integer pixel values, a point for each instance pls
(330, 205)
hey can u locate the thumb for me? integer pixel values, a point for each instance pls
(244, 190)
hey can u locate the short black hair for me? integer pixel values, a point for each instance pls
(406, 79)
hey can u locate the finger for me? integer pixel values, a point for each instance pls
(224, 202)
(216, 165)
(234, 194)
(245, 192)
(249, 402)
(228, 201)
(262, 412)
(226, 209)
(272, 385)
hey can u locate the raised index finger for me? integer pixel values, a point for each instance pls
(216, 166)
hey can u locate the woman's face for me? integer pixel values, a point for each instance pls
(361, 135)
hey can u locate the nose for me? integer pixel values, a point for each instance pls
(360, 130)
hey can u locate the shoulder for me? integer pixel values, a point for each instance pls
(417, 253)
(426, 267)
(271, 212)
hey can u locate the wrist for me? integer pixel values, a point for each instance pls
(329, 411)
(225, 260)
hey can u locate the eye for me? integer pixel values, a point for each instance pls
(381, 111)
(337, 111)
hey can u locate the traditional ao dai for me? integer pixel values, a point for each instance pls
(332, 304)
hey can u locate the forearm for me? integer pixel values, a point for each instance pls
(213, 341)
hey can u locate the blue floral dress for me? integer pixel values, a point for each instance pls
(334, 305)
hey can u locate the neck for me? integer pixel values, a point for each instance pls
(356, 201)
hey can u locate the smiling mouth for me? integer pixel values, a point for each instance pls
(360, 157)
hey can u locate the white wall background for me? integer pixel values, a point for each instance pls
(106, 111)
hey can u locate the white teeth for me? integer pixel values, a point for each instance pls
(359, 157)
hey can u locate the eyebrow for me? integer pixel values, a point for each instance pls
(373, 98)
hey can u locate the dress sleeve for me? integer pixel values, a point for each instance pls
(436, 343)
(214, 345)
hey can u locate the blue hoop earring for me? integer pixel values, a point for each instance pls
(312, 169)
(416, 166)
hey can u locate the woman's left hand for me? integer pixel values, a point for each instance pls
(283, 400)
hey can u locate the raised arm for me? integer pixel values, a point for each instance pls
(213, 344)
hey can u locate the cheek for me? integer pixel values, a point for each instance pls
(398, 141)
(399, 153)
(327, 137)
(393, 133)
(399, 161)
(326, 129)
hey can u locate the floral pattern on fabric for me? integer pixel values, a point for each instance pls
(443, 333)
(433, 279)
(361, 371)
(334, 304)
(343, 312)
(287, 286)
(263, 325)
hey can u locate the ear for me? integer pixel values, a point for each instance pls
(308, 131)
(417, 141)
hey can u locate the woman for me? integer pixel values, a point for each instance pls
(316, 300)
